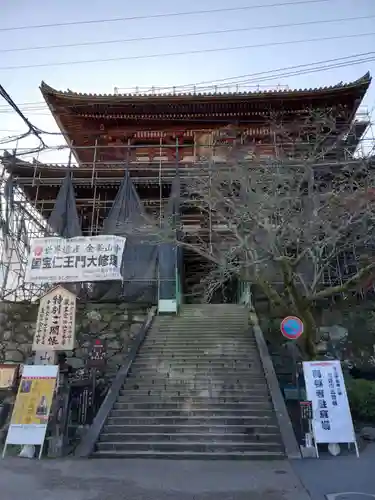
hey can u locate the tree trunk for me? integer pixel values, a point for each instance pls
(308, 338)
(303, 310)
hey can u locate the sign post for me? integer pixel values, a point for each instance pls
(292, 328)
(325, 388)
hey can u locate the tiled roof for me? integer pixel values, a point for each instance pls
(364, 82)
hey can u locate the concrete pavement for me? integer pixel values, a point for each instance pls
(148, 480)
(333, 478)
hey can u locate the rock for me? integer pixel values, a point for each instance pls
(94, 316)
(133, 330)
(334, 333)
(338, 333)
(15, 356)
(114, 344)
(76, 363)
(7, 335)
(368, 433)
(322, 347)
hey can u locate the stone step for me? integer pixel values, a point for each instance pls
(187, 446)
(196, 340)
(184, 437)
(203, 335)
(191, 429)
(185, 343)
(183, 390)
(123, 405)
(204, 381)
(220, 366)
(186, 389)
(154, 377)
(184, 455)
(211, 323)
(187, 351)
(197, 420)
(198, 372)
(176, 356)
(196, 412)
(201, 437)
(201, 400)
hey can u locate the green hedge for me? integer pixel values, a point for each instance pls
(361, 394)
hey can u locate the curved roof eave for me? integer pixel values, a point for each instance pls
(362, 83)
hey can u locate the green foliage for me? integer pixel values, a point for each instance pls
(361, 394)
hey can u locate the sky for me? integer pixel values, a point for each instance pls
(22, 71)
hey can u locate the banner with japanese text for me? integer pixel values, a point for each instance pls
(31, 411)
(81, 259)
(325, 388)
(55, 325)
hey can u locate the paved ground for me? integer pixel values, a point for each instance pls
(333, 478)
(325, 479)
(22, 479)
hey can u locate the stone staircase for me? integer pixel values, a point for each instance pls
(196, 390)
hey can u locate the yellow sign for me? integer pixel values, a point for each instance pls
(34, 400)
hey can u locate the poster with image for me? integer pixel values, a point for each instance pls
(33, 405)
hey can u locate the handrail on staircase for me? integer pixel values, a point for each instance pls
(86, 446)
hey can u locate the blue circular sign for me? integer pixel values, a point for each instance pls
(291, 327)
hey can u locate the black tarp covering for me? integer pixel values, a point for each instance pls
(64, 217)
(169, 253)
(127, 218)
(64, 222)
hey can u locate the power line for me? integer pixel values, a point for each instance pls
(163, 15)
(269, 75)
(236, 79)
(298, 70)
(183, 35)
(233, 80)
(188, 52)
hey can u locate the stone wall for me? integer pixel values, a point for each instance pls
(117, 324)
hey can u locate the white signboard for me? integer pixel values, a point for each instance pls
(55, 326)
(33, 405)
(325, 388)
(59, 260)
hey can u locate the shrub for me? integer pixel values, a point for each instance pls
(361, 394)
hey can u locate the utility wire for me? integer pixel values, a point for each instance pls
(185, 35)
(31, 128)
(271, 76)
(188, 52)
(233, 80)
(164, 15)
(258, 77)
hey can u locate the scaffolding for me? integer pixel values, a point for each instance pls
(28, 190)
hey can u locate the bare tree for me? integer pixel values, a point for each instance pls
(286, 221)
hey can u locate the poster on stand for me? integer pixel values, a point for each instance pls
(74, 260)
(31, 411)
(325, 388)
